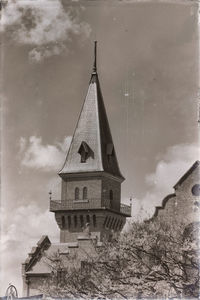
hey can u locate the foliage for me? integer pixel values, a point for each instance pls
(151, 259)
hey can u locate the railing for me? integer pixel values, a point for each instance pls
(125, 209)
(79, 204)
(94, 203)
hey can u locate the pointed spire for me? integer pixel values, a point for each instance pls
(92, 148)
(95, 58)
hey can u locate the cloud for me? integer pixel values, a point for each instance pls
(170, 167)
(21, 231)
(43, 24)
(39, 53)
(22, 144)
(54, 185)
(34, 154)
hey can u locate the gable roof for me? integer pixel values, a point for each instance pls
(185, 176)
(43, 257)
(93, 130)
(42, 263)
(36, 252)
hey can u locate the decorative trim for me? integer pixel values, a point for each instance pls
(81, 201)
(35, 254)
(90, 174)
(158, 208)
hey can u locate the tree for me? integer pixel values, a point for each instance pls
(151, 259)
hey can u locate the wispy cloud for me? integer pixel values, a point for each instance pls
(170, 167)
(37, 54)
(43, 24)
(21, 231)
(34, 154)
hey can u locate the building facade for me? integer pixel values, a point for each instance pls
(90, 210)
(183, 206)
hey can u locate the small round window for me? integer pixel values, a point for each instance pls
(196, 190)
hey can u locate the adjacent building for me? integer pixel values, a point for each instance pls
(183, 206)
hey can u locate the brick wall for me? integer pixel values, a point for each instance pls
(72, 222)
(107, 222)
(35, 285)
(108, 185)
(72, 256)
(93, 188)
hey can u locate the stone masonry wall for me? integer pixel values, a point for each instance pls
(183, 206)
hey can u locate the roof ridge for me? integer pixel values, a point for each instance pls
(187, 173)
(35, 251)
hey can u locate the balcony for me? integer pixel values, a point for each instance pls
(71, 204)
(125, 209)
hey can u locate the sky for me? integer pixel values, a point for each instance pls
(148, 70)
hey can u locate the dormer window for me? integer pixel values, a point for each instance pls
(109, 150)
(85, 152)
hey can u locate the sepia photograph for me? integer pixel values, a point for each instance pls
(100, 157)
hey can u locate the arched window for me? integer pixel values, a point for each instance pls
(84, 193)
(88, 219)
(75, 221)
(81, 221)
(69, 221)
(63, 222)
(76, 193)
(94, 221)
(111, 195)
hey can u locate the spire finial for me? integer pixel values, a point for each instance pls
(95, 57)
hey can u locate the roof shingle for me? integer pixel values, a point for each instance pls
(92, 129)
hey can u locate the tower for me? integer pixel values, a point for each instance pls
(91, 178)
